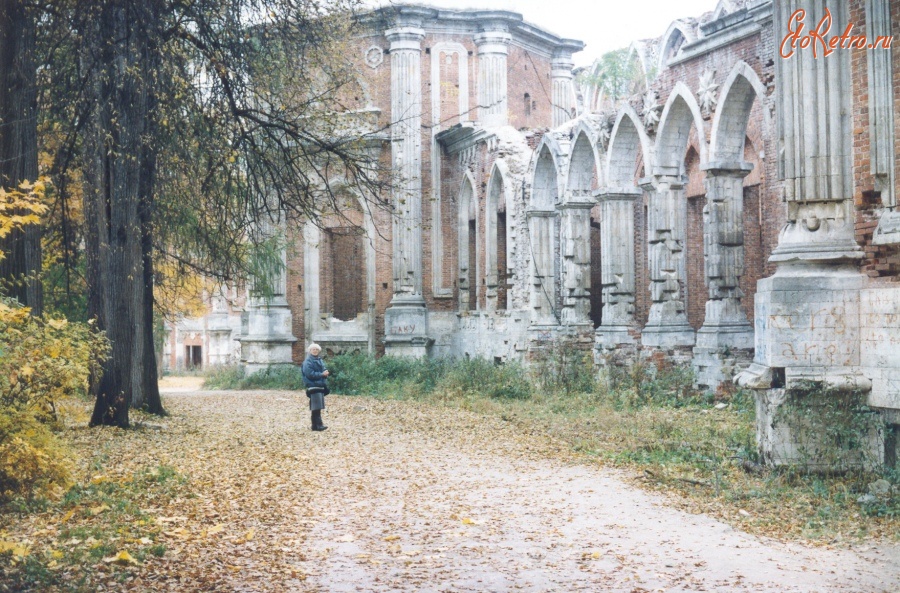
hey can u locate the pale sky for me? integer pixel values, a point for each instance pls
(603, 25)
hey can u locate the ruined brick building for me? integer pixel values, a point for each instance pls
(738, 212)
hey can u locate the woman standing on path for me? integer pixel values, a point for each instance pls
(314, 375)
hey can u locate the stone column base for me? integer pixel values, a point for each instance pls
(406, 328)
(261, 352)
(722, 351)
(717, 366)
(666, 337)
(615, 345)
(787, 438)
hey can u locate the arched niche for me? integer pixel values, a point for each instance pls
(466, 248)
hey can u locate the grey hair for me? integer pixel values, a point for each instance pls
(311, 346)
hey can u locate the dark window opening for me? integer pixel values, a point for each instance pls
(473, 281)
(193, 357)
(502, 279)
(596, 297)
(527, 105)
(778, 378)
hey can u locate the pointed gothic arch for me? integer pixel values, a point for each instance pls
(729, 126)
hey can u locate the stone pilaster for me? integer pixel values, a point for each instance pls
(667, 324)
(543, 278)
(575, 239)
(617, 265)
(266, 337)
(563, 93)
(406, 320)
(493, 47)
(726, 338)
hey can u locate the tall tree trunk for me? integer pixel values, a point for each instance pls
(21, 267)
(119, 55)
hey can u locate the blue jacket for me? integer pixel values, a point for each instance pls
(313, 369)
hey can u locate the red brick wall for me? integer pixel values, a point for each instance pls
(881, 261)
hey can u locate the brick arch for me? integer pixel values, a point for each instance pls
(729, 126)
(680, 113)
(628, 142)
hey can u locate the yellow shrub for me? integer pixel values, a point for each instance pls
(41, 360)
(32, 460)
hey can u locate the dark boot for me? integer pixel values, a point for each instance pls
(317, 421)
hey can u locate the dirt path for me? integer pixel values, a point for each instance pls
(397, 496)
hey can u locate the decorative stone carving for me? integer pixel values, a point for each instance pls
(652, 111)
(707, 92)
(374, 56)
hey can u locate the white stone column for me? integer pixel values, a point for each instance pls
(726, 338)
(406, 154)
(563, 93)
(493, 47)
(266, 323)
(575, 241)
(667, 324)
(543, 277)
(725, 323)
(617, 265)
(406, 318)
(807, 315)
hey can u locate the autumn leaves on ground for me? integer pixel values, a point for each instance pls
(233, 492)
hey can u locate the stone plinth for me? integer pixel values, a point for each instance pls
(266, 338)
(406, 328)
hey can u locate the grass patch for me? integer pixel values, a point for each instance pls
(93, 522)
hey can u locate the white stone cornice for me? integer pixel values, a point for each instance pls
(405, 37)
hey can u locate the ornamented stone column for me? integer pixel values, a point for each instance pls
(266, 338)
(575, 239)
(667, 324)
(807, 315)
(406, 319)
(617, 265)
(563, 93)
(726, 338)
(493, 47)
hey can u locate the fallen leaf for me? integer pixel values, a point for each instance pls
(122, 557)
(98, 509)
(391, 538)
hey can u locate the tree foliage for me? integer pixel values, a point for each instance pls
(612, 78)
(187, 130)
